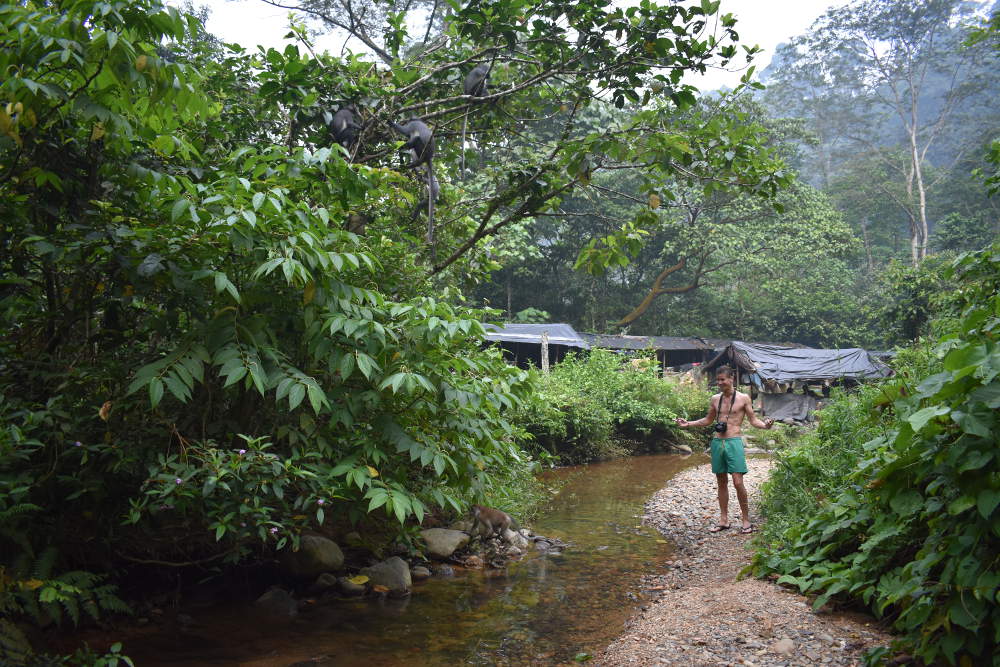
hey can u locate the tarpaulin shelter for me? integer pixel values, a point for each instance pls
(522, 343)
(786, 378)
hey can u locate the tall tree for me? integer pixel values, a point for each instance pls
(542, 131)
(888, 78)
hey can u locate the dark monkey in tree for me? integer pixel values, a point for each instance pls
(475, 84)
(420, 143)
(345, 127)
(476, 81)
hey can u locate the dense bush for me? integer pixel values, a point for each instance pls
(818, 466)
(191, 344)
(601, 405)
(914, 531)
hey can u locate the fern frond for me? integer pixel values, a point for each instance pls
(80, 578)
(14, 646)
(107, 600)
(7, 515)
(44, 564)
(72, 607)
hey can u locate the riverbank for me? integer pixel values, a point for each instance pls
(700, 615)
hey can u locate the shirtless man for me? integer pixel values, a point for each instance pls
(729, 407)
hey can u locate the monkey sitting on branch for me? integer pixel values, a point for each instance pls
(475, 85)
(420, 143)
(345, 126)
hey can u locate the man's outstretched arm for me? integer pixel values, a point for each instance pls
(754, 419)
(704, 421)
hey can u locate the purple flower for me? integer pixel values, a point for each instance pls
(274, 530)
(242, 452)
(320, 501)
(178, 480)
(78, 444)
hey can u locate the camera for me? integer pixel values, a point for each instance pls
(719, 427)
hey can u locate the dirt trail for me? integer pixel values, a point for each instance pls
(700, 614)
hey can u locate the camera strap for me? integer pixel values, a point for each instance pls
(732, 401)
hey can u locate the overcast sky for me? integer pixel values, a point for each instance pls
(763, 22)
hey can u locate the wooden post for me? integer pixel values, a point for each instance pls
(545, 351)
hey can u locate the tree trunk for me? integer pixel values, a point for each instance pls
(510, 296)
(919, 227)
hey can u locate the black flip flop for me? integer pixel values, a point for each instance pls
(718, 529)
(746, 531)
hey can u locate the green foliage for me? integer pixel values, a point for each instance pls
(914, 531)
(194, 344)
(532, 315)
(786, 275)
(811, 472)
(955, 232)
(30, 589)
(600, 405)
(173, 278)
(112, 658)
(907, 298)
(518, 489)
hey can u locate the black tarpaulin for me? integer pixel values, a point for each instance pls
(789, 364)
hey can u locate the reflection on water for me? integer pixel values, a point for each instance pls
(543, 609)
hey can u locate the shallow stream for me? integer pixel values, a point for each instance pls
(543, 609)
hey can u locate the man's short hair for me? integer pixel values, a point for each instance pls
(724, 370)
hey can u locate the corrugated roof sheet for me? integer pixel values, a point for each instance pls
(559, 334)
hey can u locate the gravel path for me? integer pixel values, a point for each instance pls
(700, 614)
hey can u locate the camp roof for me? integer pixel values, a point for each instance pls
(559, 334)
(786, 364)
(651, 342)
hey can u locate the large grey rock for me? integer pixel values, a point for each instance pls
(315, 556)
(393, 573)
(442, 542)
(349, 588)
(463, 525)
(277, 603)
(324, 582)
(515, 539)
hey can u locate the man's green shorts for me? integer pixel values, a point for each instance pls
(727, 455)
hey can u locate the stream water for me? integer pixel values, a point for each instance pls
(542, 609)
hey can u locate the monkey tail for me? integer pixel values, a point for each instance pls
(430, 210)
(465, 123)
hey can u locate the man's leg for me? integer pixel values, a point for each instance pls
(741, 495)
(723, 485)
